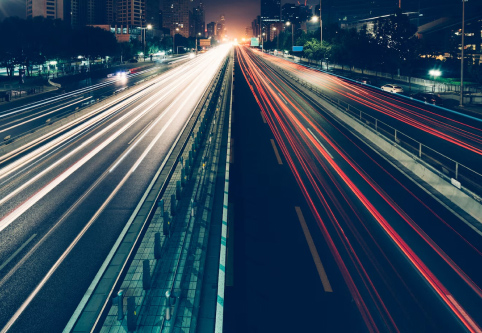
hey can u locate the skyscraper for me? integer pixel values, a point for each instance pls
(198, 20)
(175, 15)
(270, 11)
(211, 27)
(131, 12)
(53, 9)
(88, 12)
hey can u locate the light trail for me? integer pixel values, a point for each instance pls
(272, 101)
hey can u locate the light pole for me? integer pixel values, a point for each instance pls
(462, 57)
(174, 41)
(277, 39)
(262, 42)
(149, 27)
(434, 73)
(198, 34)
(292, 34)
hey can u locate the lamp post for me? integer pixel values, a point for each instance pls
(292, 34)
(174, 41)
(462, 57)
(277, 39)
(149, 27)
(198, 34)
(262, 42)
(434, 73)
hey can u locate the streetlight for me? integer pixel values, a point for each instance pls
(174, 41)
(292, 34)
(198, 34)
(434, 73)
(149, 27)
(315, 19)
(262, 41)
(277, 39)
(462, 56)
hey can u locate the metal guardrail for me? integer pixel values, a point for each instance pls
(446, 167)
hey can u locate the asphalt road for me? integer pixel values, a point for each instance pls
(64, 204)
(272, 282)
(455, 135)
(20, 117)
(409, 264)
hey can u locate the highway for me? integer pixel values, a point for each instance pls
(63, 205)
(410, 264)
(455, 135)
(79, 94)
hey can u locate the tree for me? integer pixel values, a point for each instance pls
(397, 42)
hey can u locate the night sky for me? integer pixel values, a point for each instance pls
(238, 13)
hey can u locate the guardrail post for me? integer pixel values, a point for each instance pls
(146, 275)
(157, 245)
(376, 124)
(131, 314)
(456, 170)
(419, 150)
(178, 190)
(161, 206)
(173, 205)
(166, 227)
(395, 135)
(360, 114)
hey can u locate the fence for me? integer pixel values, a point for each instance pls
(458, 174)
(430, 85)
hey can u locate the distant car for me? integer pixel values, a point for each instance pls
(365, 80)
(121, 73)
(133, 61)
(429, 98)
(392, 88)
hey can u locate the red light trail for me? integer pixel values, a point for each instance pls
(289, 122)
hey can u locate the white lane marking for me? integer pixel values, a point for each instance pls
(320, 143)
(173, 73)
(44, 114)
(12, 216)
(142, 130)
(91, 221)
(16, 252)
(92, 286)
(282, 98)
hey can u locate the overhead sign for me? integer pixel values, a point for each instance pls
(254, 41)
(297, 48)
(204, 42)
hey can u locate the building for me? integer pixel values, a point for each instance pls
(198, 24)
(270, 11)
(152, 16)
(91, 12)
(53, 9)
(256, 26)
(175, 16)
(211, 29)
(290, 13)
(131, 13)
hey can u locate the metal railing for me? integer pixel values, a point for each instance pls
(446, 167)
